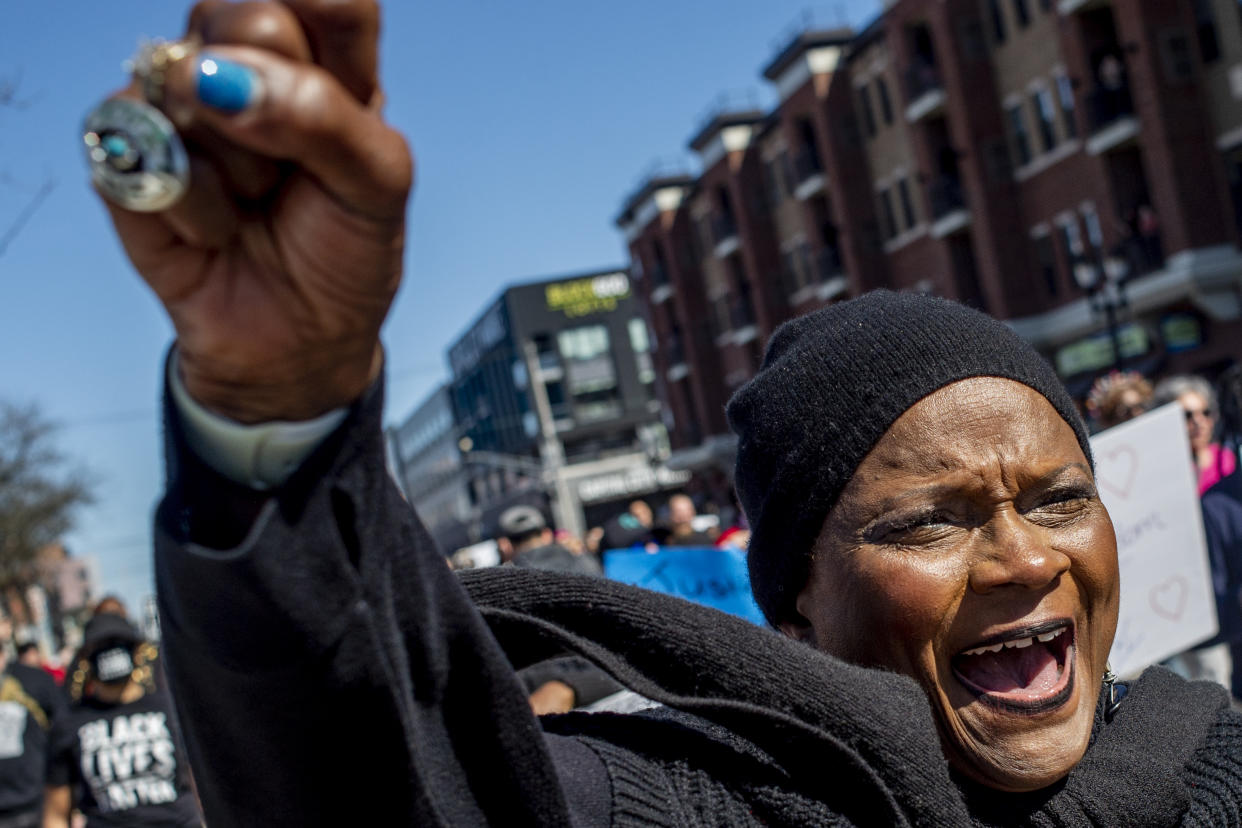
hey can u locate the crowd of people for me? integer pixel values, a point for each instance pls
(93, 742)
(1214, 432)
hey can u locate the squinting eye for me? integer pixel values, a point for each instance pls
(1064, 501)
(908, 527)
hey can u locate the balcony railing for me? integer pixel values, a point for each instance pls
(1107, 106)
(946, 196)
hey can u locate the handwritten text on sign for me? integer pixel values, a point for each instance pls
(714, 577)
(1144, 474)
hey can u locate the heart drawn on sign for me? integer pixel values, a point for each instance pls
(1116, 470)
(1168, 598)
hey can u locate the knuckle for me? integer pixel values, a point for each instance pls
(262, 25)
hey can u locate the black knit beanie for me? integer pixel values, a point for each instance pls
(832, 382)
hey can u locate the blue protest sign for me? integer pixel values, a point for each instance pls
(713, 577)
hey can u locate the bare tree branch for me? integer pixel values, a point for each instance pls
(39, 495)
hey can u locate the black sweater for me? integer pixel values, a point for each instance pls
(331, 670)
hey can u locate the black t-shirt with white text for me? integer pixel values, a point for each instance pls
(30, 702)
(127, 762)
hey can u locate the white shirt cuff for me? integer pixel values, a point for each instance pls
(261, 456)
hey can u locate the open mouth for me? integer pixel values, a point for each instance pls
(1030, 670)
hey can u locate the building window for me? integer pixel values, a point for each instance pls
(1045, 117)
(1046, 261)
(1023, 14)
(888, 215)
(1205, 28)
(640, 344)
(720, 322)
(1017, 126)
(778, 185)
(1065, 95)
(1095, 234)
(907, 204)
(1071, 236)
(998, 21)
(886, 103)
(864, 101)
(592, 376)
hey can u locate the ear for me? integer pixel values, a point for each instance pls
(797, 625)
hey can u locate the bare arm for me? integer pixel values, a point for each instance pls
(57, 805)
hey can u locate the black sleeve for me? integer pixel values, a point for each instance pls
(328, 667)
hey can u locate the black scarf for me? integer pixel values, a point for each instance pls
(819, 718)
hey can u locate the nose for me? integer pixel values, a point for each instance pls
(1015, 552)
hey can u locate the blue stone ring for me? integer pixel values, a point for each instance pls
(136, 157)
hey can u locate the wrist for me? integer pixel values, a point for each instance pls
(287, 390)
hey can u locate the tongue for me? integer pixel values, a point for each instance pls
(1031, 670)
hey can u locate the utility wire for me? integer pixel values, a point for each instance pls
(25, 215)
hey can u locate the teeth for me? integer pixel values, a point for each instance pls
(1015, 644)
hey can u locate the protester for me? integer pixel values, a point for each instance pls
(1117, 397)
(1229, 396)
(919, 487)
(1212, 461)
(679, 529)
(30, 704)
(530, 543)
(115, 755)
(632, 528)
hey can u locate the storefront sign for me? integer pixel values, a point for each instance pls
(1096, 352)
(1181, 332)
(582, 297)
(629, 483)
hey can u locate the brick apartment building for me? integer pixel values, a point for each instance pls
(1041, 160)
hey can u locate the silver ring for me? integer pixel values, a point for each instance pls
(136, 157)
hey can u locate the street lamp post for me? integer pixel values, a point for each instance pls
(1105, 288)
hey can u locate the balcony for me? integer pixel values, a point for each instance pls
(1113, 123)
(675, 356)
(1068, 7)
(924, 91)
(742, 314)
(724, 233)
(950, 212)
(809, 173)
(661, 290)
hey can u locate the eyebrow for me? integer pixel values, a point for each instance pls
(935, 490)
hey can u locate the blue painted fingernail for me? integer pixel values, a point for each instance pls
(225, 85)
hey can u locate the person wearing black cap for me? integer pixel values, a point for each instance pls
(528, 542)
(118, 746)
(926, 535)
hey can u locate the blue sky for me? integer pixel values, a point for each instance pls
(530, 121)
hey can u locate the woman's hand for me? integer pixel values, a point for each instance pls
(278, 266)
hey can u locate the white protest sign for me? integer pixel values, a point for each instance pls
(1145, 477)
